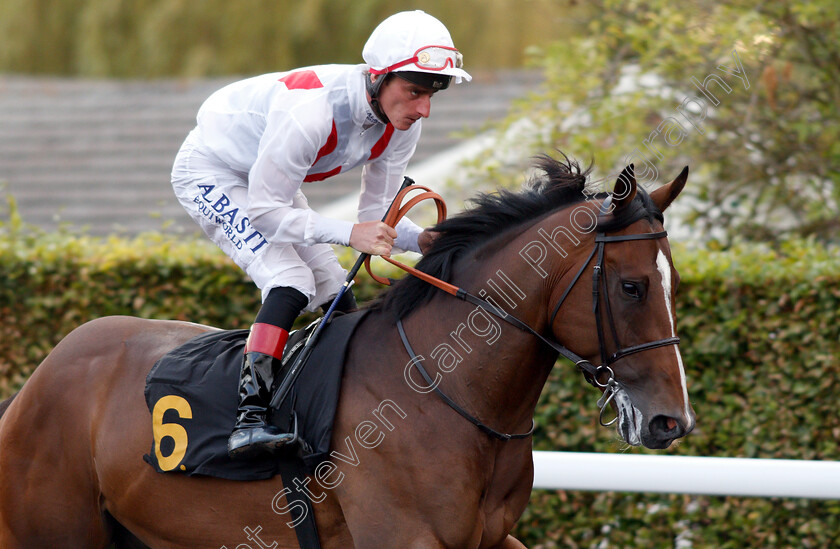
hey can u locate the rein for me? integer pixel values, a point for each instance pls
(592, 373)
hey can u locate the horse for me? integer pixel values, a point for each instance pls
(406, 471)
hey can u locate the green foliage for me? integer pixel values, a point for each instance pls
(764, 161)
(760, 343)
(152, 38)
(50, 284)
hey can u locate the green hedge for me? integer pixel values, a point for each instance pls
(759, 339)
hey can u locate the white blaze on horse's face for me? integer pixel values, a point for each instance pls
(664, 268)
(631, 421)
(650, 395)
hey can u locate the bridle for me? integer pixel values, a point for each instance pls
(593, 374)
(599, 282)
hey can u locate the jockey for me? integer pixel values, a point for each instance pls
(239, 175)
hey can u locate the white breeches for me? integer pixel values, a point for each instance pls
(216, 198)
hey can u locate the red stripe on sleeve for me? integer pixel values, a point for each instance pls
(380, 145)
(323, 175)
(329, 146)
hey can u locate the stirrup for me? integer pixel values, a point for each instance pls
(296, 439)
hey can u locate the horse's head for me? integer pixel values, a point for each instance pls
(626, 277)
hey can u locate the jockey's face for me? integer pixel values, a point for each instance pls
(405, 102)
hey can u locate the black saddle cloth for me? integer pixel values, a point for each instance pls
(192, 392)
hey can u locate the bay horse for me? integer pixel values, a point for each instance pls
(406, 470)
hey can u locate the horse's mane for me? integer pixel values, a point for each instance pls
(489, 215)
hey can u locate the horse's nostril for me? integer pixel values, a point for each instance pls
(666, 427)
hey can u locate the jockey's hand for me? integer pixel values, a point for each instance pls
(426, 239)
(373, 237)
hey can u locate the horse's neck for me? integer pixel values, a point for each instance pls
(491, 367)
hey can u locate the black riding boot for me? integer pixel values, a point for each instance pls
(251, 435)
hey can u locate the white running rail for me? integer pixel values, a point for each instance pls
(687, 475)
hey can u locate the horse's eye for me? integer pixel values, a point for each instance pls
(632, 289)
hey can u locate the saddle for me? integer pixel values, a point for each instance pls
(192, 393)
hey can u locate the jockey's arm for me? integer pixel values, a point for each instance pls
(275, 207)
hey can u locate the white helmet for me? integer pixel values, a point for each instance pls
(415, 42)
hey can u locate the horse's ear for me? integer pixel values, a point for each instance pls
(664, 195)
(625, 188)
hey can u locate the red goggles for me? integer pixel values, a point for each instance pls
(430, 58)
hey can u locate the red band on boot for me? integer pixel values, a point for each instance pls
(267, 339)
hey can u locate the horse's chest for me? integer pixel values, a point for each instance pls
(506, 493)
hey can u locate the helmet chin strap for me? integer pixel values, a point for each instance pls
(373, 87)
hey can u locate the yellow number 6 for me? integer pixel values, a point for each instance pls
(172, 430)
